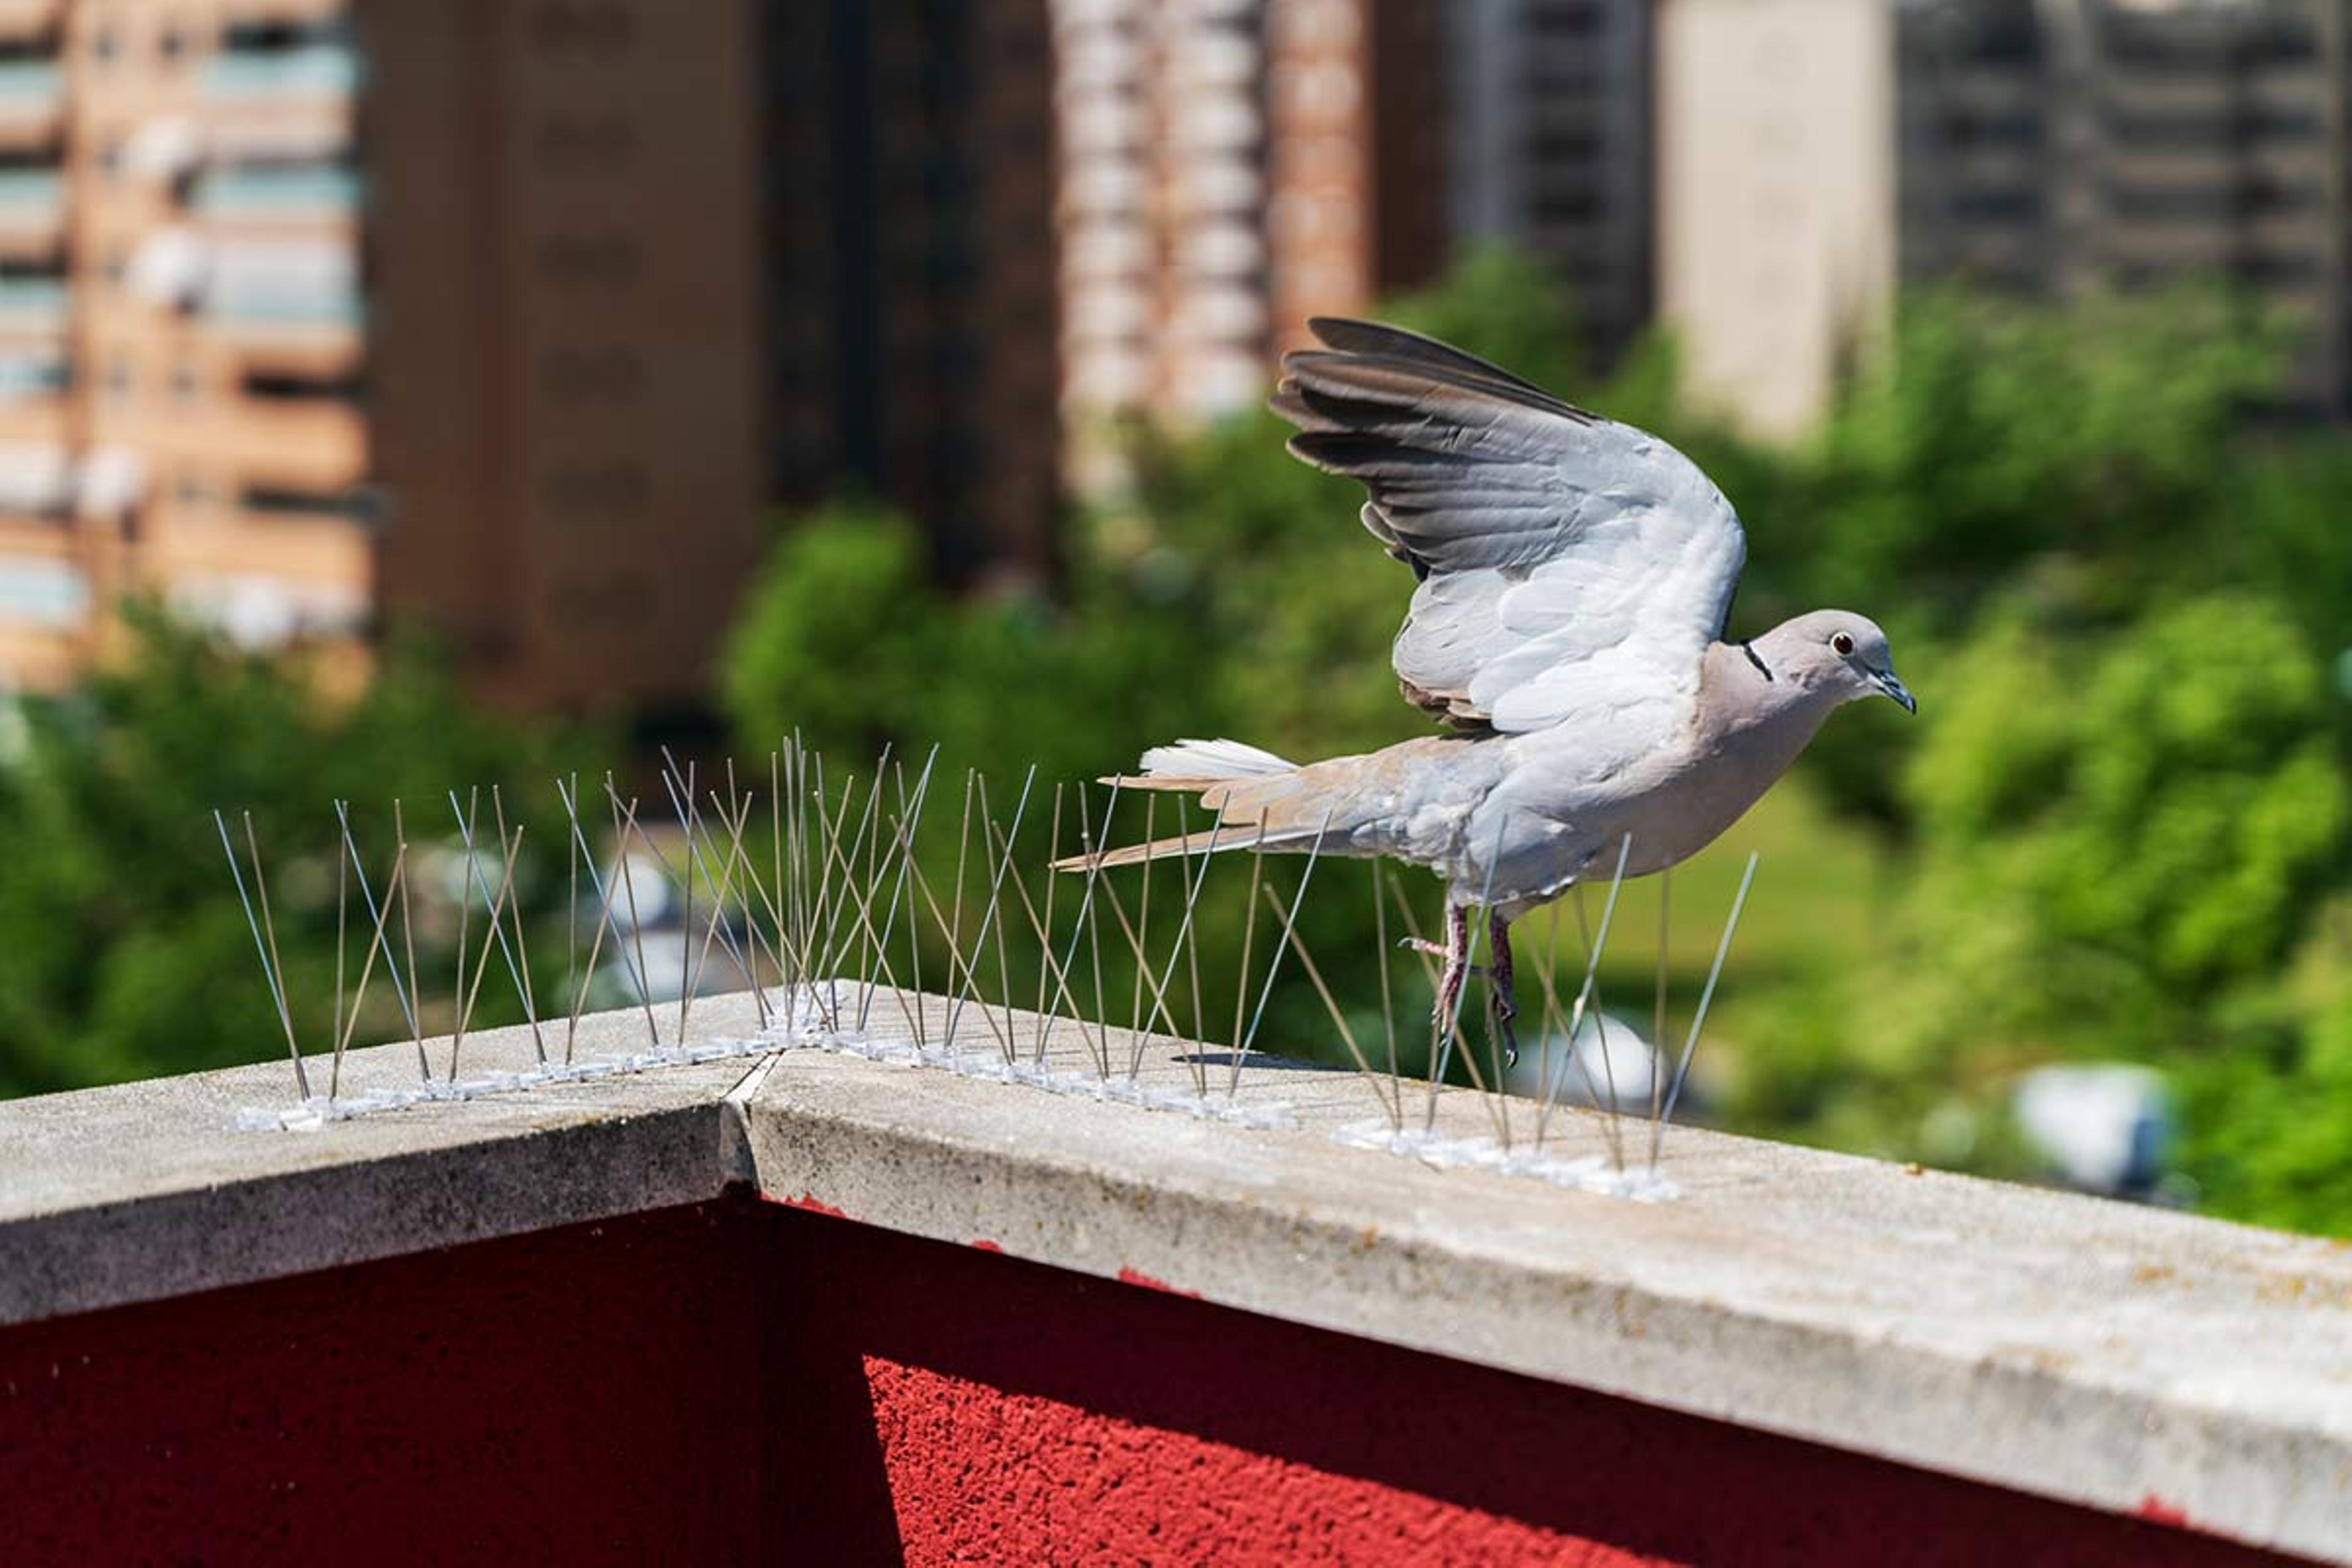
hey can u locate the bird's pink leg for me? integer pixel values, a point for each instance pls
(1498, 984)
(1457, 967)
(1428, 948)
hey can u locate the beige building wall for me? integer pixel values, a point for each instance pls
(1217, 187)
(218, 310)
(2052, 146)
(1776, 196)
(564, 395)
(320, 313)
(46, 569)
(180, 326)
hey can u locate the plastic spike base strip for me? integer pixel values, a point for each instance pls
(317, 1111)
(1588, 1173)
(805, 1033)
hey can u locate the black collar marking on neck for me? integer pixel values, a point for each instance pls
(1749, 650)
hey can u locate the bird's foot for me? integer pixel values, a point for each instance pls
(1505, 1015)
(1428, 948)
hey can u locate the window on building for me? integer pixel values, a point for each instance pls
(279, 386)
(267, 37)
(600, 27)
(605, 258)
(568, 141)
(592, 490)
(42, 593)
(1997, 204)
(614, 374)
(292, 502)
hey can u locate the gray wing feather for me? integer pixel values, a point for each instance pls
(1541, 532)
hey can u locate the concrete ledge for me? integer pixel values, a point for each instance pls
(114, 1196)
(2124, 1359)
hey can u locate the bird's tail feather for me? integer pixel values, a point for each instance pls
(1218, 772)
(1200, 843)
(1188, 762)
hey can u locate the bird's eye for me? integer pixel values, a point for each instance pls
(1842, 642)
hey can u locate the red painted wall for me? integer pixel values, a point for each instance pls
(742, 1383)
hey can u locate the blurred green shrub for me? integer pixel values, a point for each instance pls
(123, 953)
(2119, 835)
(2266, 1115)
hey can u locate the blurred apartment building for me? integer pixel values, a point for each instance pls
(316, 311)
(1218, 184)
(180, 331)
(510, 319)
(906, 188)
(1231, 167)
(1776, 180)
(2052, 145)
(1814, 152)
(1546, 112)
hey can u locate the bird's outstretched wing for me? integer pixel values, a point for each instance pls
(1571, 567)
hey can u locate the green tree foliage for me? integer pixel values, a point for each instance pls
(1995, 434)
(2265, 1122)
(847, 639)
(2163, 804)
(1996, 441)
(2112, 834)
(122, 950)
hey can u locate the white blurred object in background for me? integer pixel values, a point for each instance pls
(2105, 1128)
(1610, 1055)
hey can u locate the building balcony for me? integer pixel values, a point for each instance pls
(262, 610)
(37, 480)
(30, 82)
(41, 592)
(32, 211)
(32, 102)
(320, 352)
(270, 310)
(32, 378)
(311, 338)
(806, 1302)
(271, 195)
(261, 130)
(32, 307)
(313, 70)
(27, 20)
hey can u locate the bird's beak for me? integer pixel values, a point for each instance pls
(1885, 681)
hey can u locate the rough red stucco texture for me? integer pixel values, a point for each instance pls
(745, 1383)
(576, 1395)
(1025, 1414)
(1055, 1483)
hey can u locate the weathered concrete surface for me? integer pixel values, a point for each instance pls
(2123, 1358)
(142, 1191)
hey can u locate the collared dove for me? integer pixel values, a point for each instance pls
(1574, 577)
